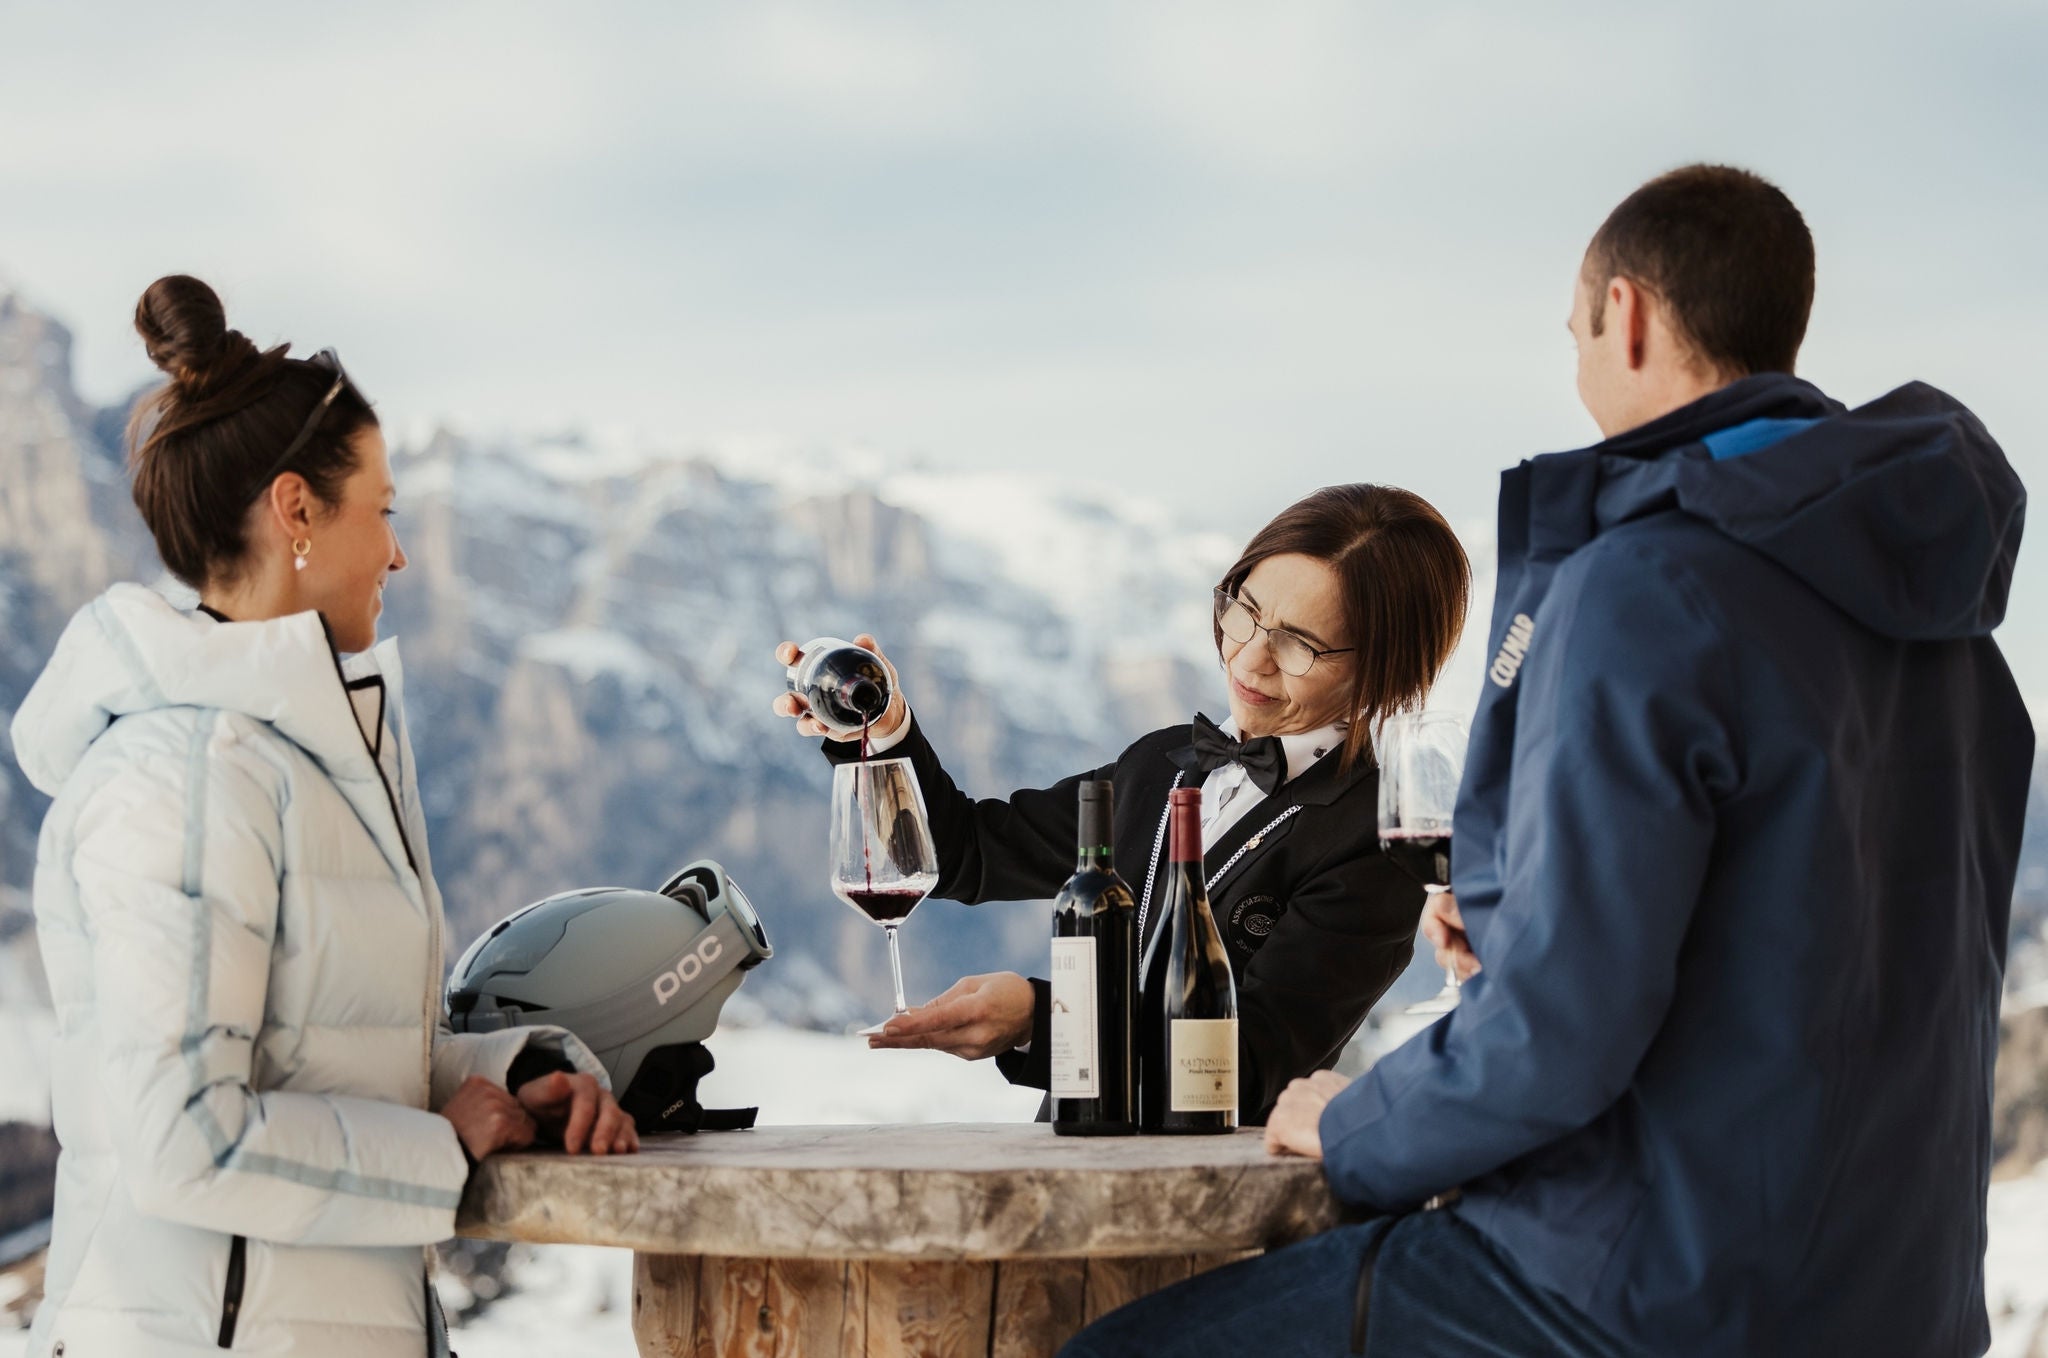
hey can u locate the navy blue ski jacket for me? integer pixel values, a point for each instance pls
(1736, 847)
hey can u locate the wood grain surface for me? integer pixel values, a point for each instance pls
(938, 1192)
(690, 1307)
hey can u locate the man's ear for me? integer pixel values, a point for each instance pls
(1628, 311)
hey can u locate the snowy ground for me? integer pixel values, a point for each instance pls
(2016, 1268)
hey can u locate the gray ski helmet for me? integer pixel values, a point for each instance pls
(627, 971)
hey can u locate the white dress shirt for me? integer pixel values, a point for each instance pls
(1229, 793)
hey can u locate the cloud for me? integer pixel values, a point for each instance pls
(1192, 245)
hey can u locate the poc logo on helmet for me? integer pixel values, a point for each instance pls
(686, 970)
(1509, 662)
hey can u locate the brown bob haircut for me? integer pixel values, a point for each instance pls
(1726, 253)
(201, 446)
(1405, 582)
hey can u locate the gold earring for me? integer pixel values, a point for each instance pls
(301, 547)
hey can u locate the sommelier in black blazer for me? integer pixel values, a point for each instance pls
(1341, 611)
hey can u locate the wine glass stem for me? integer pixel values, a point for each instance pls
(1451, 979)
(896, 969)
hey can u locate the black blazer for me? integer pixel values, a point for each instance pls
(1317, 922)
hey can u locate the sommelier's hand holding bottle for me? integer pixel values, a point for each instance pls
(885, 726)
(1444, 927)
(978, 1017)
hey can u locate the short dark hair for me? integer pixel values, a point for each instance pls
(1725, 251)
(1405, 584)
(199, 446)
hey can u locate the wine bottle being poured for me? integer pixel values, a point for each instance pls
(846, 687)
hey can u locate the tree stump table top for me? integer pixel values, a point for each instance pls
(943, 1191)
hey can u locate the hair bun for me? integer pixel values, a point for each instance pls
(185, 330)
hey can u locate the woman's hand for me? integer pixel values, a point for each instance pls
(888, 724)
(1296, 1124)
(1444, 927)
(487, 1118)
(580, 1113)
(979, 1017)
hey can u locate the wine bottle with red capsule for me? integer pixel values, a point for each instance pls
(1187, 1003)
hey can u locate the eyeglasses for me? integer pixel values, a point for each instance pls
(1295, 654)
(330, 360)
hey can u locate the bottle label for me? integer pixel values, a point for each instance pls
(1074, 1075)
(1203, 1053)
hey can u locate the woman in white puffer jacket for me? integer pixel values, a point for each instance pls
(262, 1118)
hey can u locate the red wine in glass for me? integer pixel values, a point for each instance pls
(883, 859)
(1424, 855)
(884, 906)
(1422, 761)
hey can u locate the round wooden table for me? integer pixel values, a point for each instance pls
(947, 1239)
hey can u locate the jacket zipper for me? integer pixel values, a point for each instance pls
(430, 1020)
(231, 1295)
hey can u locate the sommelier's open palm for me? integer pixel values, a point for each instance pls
(789, 705)
(977, 1017)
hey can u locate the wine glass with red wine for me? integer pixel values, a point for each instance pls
(883, 862)
(1422, 760)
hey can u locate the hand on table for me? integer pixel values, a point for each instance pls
(1295, 1126)
(1444, 927)
(580, 1113)
(487, 1119)
(978, 1017)
(886, 725)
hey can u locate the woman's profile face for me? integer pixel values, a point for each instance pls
(354, 548)
(1302, 595)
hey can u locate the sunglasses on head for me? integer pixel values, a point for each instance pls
(331, 361)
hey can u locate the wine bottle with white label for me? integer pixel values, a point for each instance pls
(1187, 1005)
(1094, 987)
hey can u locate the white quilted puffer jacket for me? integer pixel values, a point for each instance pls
(243, 940)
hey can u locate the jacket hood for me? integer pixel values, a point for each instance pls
(131, 651)
(1904, 513)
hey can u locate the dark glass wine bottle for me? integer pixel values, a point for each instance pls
(1094, 987)
(1187, 1006)
(844, 686)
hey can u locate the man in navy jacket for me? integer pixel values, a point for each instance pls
(1733, 859)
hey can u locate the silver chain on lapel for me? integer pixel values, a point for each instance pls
(1159, 842)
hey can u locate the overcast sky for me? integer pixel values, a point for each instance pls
(1211, 253)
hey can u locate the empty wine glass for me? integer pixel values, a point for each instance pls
(1422, 761)
(883, 861)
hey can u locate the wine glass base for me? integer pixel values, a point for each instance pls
(878, 1026)
(1443, 1002)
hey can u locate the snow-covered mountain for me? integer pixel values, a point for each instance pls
(588, 627)
(589, 645)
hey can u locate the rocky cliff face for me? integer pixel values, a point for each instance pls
(2019, 1124)
(588, 636)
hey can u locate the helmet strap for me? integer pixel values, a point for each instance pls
(663, 1095)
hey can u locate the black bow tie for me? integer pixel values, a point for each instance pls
(1262, 757)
